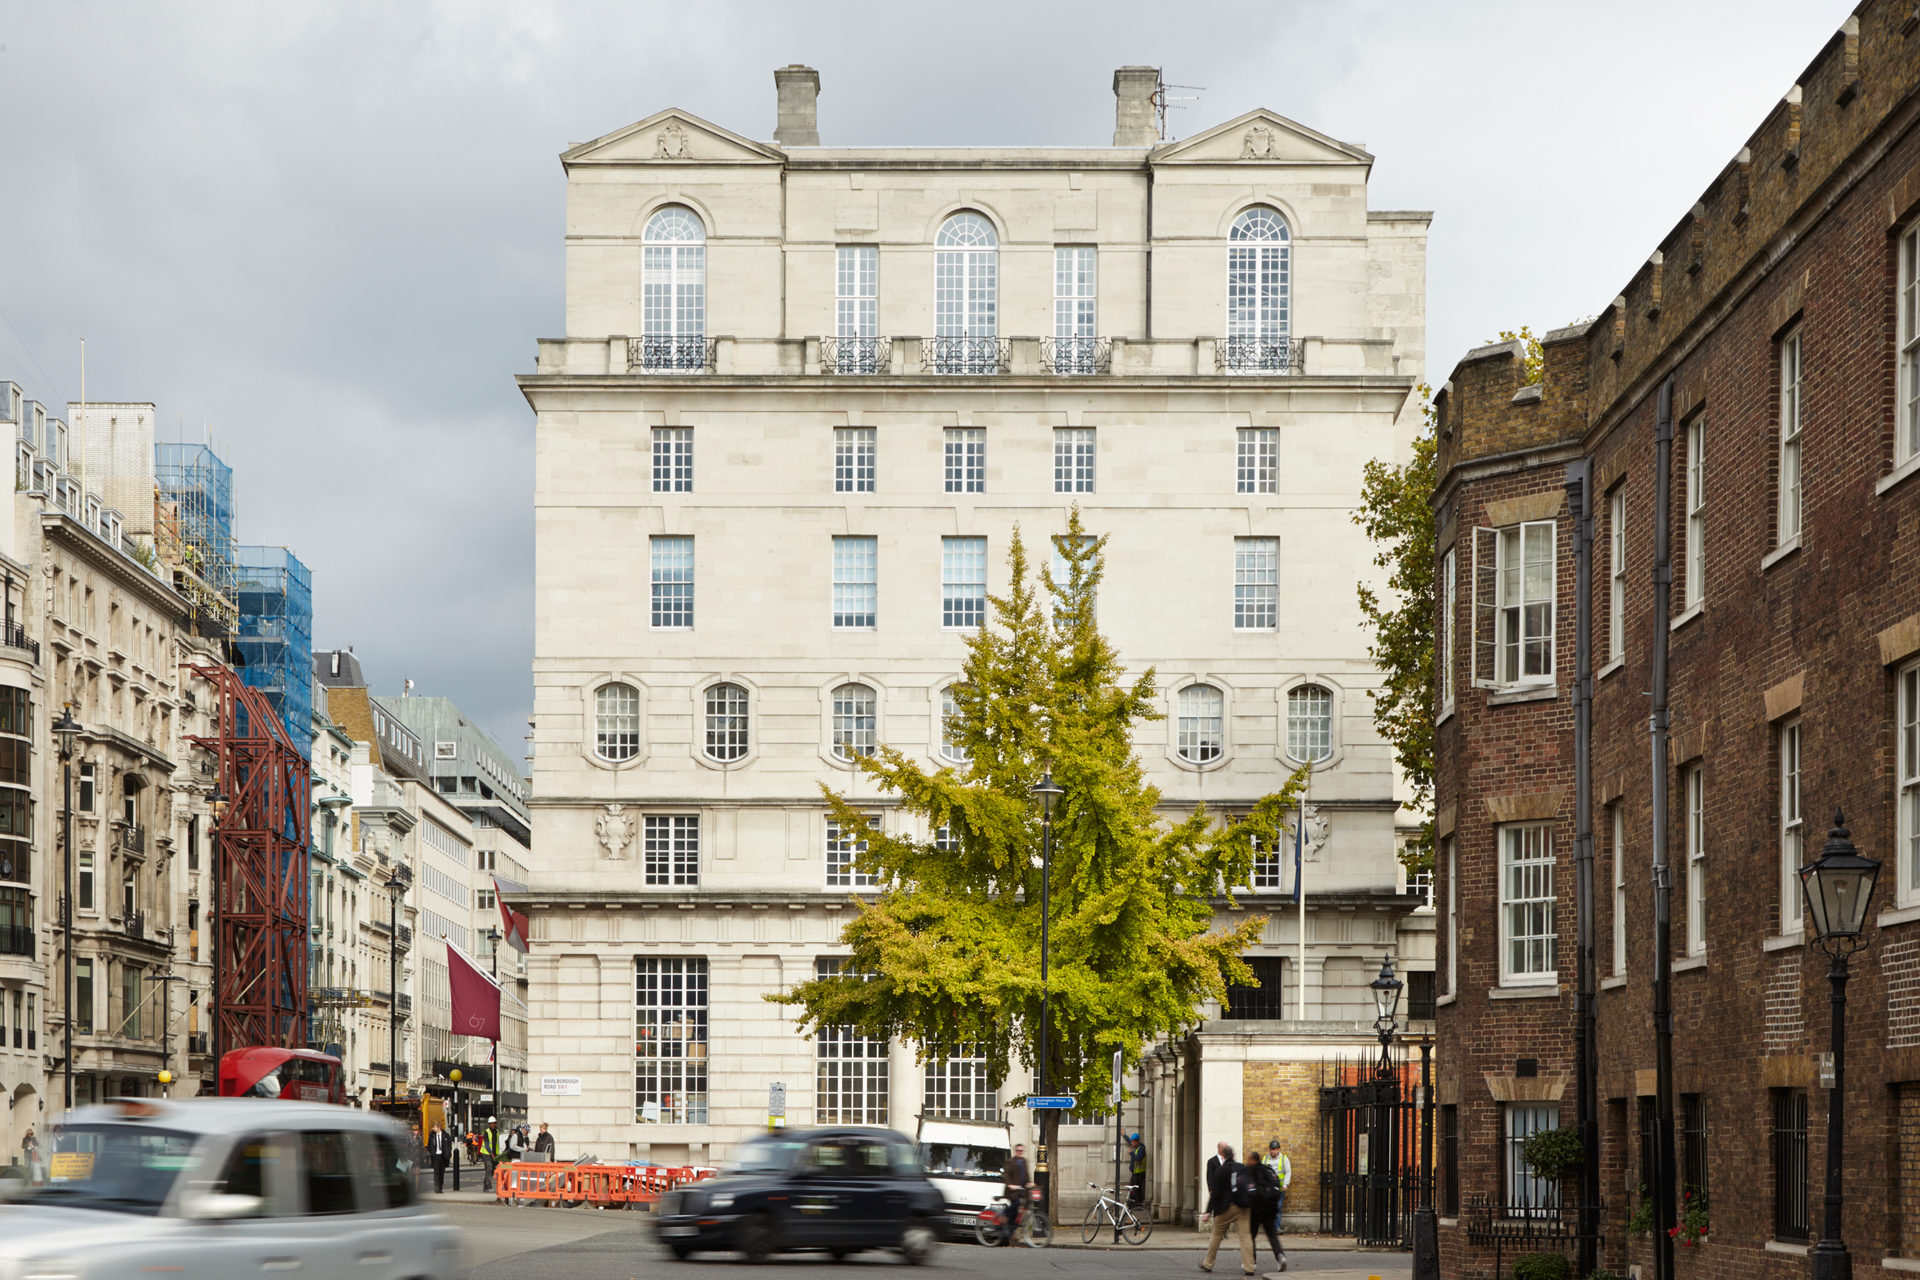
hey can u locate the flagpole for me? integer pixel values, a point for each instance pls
(493, 945)
(1300, 894)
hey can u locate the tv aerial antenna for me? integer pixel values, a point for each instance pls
(1164, 102)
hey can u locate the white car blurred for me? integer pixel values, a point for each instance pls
(219, 1188)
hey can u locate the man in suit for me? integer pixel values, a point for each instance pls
(440, 1152)
(1228, 1185)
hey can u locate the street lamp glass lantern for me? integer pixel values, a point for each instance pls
(1048, 790)
(1386, 991)
(67, 729)
(1839, 885)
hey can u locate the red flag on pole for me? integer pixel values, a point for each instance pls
(515, 925)
(476, 997)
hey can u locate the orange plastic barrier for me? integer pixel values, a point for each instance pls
(604, 1186)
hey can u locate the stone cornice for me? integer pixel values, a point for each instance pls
(60, 528)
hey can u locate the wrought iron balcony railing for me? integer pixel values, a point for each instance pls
(659, 353)
(16, 940)
(403, 1005)
(856, 355)
(965, 355)
(1076, 355)
(403, 937)
(1259, 355)
(133, 839)
(136, 924)
(15, 637)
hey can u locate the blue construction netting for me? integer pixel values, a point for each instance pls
(199, 485)
(275, 637)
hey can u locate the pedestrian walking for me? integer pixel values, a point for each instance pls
(491, 1148)
(1283, 1174)
(440, 1153)
(1137, 1179)
(30, 1154)
(1230, 1194)
(1265, 1210)
(543, 1145)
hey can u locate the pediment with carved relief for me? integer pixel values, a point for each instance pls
(1261, 137)
(672, 137)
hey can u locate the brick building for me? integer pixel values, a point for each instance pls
(1782, 319)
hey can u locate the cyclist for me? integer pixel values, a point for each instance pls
(1016, 1181)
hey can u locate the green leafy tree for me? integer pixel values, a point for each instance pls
(948, 955)
(1396, 513)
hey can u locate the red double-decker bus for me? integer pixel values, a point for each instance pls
(297, 1075)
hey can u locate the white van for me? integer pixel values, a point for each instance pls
(966, 1159)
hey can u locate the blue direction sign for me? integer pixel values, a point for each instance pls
(1049, 1104)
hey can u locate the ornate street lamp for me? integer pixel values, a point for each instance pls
(1386, 997)
(396, 885)
(217, 805)
(1838, 887)
(66, 729)
(1048, 790)
(1380, 1173)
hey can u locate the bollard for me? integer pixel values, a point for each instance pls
(456, 1168)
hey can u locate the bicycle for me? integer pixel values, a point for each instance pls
(1111, 1214)
(990, 1228)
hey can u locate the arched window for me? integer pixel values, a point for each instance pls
(952, 746)
(1258, 304)
(726, 722)
(616, 722)
(1202, 732)
(673, 289)
(1309, 723)
(855, 711)
(965, 278)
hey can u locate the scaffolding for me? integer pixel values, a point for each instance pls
(193, 532)
(274, 640)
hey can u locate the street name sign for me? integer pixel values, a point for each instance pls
(1049, 1104)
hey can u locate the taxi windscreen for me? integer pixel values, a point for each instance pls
(122, 1167)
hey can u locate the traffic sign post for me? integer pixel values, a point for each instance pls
(776, 1105)
(1050, 1104)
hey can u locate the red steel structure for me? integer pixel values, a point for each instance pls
(259, 853)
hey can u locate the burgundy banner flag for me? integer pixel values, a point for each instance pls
(476, 997)
(516, 926)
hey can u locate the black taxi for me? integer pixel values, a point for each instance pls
(834, 1191)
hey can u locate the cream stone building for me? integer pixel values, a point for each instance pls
(804, 397)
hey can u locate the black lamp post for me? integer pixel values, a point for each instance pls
(396, 885)
(1386, 998)
(66, 728)
(1838, 888)
(1048, 790)
(217, 807)
(1426, 1223)
(493, 950)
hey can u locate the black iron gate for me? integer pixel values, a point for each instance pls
(1369, 1151)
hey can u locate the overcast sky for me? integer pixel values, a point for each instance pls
(331, 232)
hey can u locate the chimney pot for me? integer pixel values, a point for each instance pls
(798, 123)
(1134, 123)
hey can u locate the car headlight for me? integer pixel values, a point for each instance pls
(720, 1200)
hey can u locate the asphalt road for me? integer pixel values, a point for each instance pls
(580, 1244)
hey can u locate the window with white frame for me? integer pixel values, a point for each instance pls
(1201, 724)
(1792, 409)
(1906, 435)
(855, 710)
(856, 309)
(1452, 857)
(1617, 573)
(963, 581)
(1073, 458)
(856, 582)
(853, 450)
(1073, 291)
(1529, 933)
(1527, 1192)
(965, 279)
(1267, 864)
(965, 455)
(844, 851)
(1060, 571)
(1696, 587)
(1256, 460)
(1514, 603)
(670, 849)
(616, 722)
(670, 1041)
(1257, 276)
(1697, 860)
(1619, 887)
(1256, 584)
(1310, 723)
(957, 1085)
(673, 275)
(1909, 782)
(1792, 828)
(726, 722)
(672, 581)
(952, 745)
(944, 840)
(1449, 608)
(851, 1076)
(673, 459)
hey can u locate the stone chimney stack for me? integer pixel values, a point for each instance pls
(799, 120)
(1134, 123)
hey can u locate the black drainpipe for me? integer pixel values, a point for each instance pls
(1658, 725)
(1586, 1064)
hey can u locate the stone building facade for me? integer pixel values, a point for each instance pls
(804, 398)
(1779, 317)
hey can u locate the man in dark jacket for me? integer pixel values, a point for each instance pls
(543, 1145)
(1016, 1180)
(1266, 1209)
(440, 1153)
(1229, 1196)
